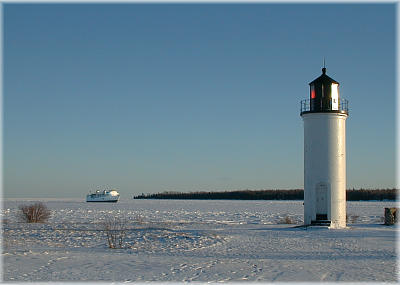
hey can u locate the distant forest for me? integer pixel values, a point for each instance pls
(294, 194)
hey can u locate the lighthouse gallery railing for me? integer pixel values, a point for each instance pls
(305, 105)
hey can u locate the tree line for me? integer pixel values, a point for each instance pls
(275, 194)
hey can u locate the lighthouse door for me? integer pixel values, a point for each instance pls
(321, 201)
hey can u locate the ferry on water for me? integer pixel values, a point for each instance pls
(103, 196)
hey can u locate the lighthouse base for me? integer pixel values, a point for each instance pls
(325, 223)
(328, 224)
(338, 225)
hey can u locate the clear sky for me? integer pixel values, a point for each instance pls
(188, 97)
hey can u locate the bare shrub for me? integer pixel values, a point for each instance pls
(115, 229)
(139, 219)
(286, 220)
(351, 219)
(34, 213)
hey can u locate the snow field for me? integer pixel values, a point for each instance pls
(189, 240)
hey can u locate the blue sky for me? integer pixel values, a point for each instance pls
(188, 97)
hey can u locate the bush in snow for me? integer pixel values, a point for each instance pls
(139, 219)
(34, 213)
(351, 219)
(286, 220)
(115, 229)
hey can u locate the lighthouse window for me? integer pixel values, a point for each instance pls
(335, 96)
(312, 92)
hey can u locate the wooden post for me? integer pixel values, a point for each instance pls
(390, 216)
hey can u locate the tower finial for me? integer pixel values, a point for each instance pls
(324, 69)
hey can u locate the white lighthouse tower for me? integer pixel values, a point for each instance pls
(324, 115)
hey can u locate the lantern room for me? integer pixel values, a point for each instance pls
(324, 96)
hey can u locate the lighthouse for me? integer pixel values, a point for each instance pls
(324, 115)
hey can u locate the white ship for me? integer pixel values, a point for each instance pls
(103, 196)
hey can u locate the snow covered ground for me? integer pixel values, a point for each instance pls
(194, 240)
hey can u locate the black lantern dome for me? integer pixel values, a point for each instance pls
(324, 96)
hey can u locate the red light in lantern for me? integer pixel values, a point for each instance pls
(312, 93)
